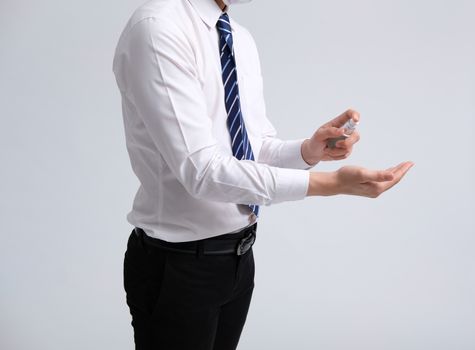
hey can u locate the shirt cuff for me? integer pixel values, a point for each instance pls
(292, 184)
(291, 155)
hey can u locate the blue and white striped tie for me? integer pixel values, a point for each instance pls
(239, 140)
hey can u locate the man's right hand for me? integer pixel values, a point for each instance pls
(358, 181)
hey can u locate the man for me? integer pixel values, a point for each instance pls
(208, 159)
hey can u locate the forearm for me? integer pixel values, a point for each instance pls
(322, 184)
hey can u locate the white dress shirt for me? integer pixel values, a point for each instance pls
(168, 71)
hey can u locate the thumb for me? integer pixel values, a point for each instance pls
(344, 117)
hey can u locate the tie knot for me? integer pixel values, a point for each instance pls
(223, 25)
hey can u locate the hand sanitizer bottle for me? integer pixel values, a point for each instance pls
(349, 127)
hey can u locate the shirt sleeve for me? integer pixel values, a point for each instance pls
(280, 153)
(162, 82)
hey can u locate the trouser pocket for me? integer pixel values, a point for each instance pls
(143, 274)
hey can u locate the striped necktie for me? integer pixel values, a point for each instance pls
(239, 140)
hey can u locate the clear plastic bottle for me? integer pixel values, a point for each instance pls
(349, 127)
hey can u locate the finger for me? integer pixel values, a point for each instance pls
(401, 170)
(330, 132)
(376, 175)
(335, 152)
(391, 169)
(344, 117)
(398, 167)
(349, 142)
(346, 155)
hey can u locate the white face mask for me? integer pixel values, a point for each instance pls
(232, 2)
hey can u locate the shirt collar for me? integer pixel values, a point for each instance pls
(209, 12)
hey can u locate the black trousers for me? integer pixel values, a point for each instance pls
(182, 301)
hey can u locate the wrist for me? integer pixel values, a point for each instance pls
(323, 184)
(306, 153)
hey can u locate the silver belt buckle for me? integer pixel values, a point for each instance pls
(246, 243)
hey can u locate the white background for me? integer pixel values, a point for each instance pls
(397, 272)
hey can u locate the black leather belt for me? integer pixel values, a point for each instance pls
(230, 243)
